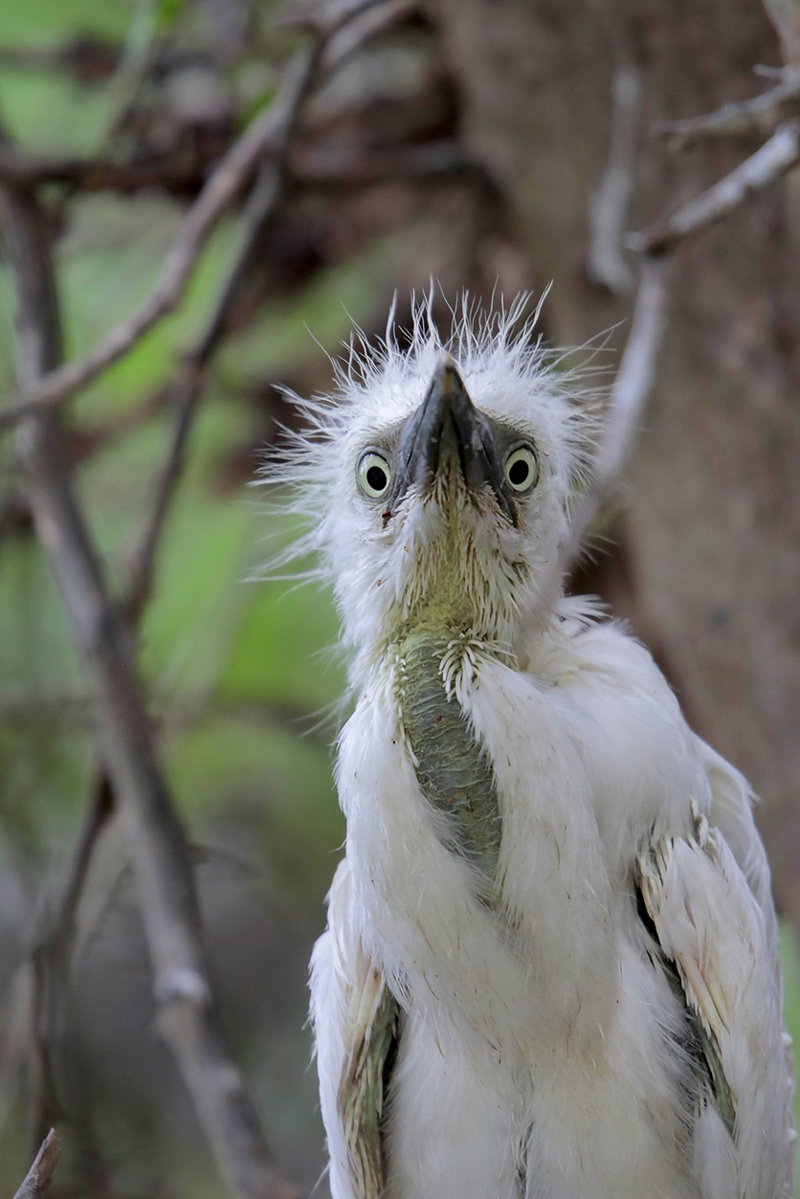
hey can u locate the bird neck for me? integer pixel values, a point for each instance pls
(453, 770)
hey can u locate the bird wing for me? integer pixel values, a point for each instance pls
(710, 910)
(355, 1018)
(731, 812)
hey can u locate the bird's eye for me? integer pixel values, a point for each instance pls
(522, 468)
(374, 474)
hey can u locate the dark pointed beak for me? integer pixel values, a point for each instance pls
(447, 427)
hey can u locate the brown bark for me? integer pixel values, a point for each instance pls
(712, 546)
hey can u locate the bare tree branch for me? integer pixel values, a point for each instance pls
(40, 1175)
(176, 173)
(261, 137)
(631, 388)
(187, 389)
(221, 189)
(755, 174)
(325, 19)
(608, 209)
(785, 16)
(51, 944)
(370, 24)
(259, 212)
(759, 115)
(637, 369)
(337, 170)
(186, 1012)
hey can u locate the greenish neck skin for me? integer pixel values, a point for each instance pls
(454, 772)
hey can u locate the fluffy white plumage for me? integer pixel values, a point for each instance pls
(589, 1007)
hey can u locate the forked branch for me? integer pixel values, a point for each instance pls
(636, 374)
(761, 114)
(758, 172)
(184, 999)
(629, 393)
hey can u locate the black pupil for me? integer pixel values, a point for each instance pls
(518, 472)
(376, 477)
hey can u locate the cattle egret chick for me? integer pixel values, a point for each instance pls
(550, 969)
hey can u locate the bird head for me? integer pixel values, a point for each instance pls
(437, 482)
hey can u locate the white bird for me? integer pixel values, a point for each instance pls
(550, 969)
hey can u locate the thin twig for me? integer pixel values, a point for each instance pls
(325, 19)
(184, 1000)
(629, 393)
(259, 212)
(739, 117)
(636, 373)
(40, 1175)
(221, 189)
(631, 388)
(371, 24)
(175, 173)
(608, 210)
(755, 174)
(187, 391)
(86, 58)
(51, 944)
(785, 16)
(133, 66)
(219, 192)
(766, 72)
(337, 170)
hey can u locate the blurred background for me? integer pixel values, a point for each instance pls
(493, 147)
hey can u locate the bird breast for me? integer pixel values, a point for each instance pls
(475, 864)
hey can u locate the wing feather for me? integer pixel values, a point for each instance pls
(716, 929)
(732, 801)
(355, 1018)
